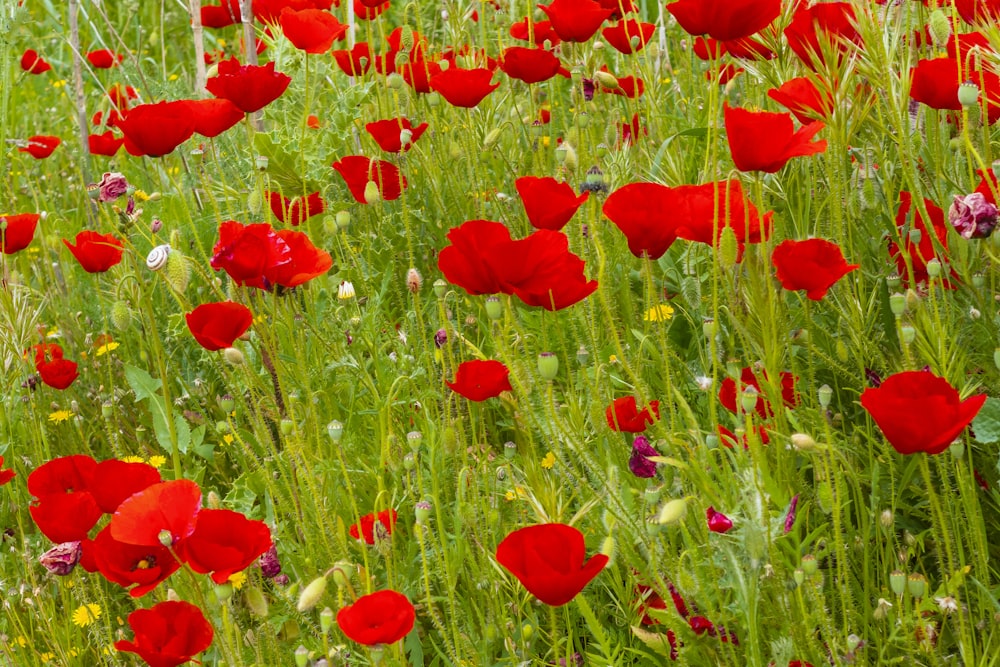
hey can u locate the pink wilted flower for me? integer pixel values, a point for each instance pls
(972, 216)
(790, 517)
(112, 186)
(639, 462)
(717, 521)
(62, 558)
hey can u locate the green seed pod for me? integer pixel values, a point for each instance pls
(799, 575)
(897, 582)
(287, 426)
(335, 430)
(934, 268)
(494, 308)
(422, 511)
(809, 565)
(372, 193)
(509, 450)
(311, 594)
(825, 396)
(968, 94)
(907, 333)
(301, 656)
(548, 366)
(326, 618)
(223, 592)
(440, 288)
(897, 304)
(343, 220)
(916, 583)
(395, 81)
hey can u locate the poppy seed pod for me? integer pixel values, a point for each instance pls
(968, 94)
(548, 366)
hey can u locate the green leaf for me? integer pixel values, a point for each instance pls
(142, 383)
(986, 425)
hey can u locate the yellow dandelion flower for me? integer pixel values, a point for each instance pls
(133, 459)
(546, 140)
(45, 657)
(20, 641)
(515, 493)
(86, 614)
(659, 313)
(73, 653)
(228, 439)
(59, 83)
(549, 461)
(510, 495)
(140, 195)
(237, 579)
(172, 77)
(613, 359)
(60, 416)
(157, 461)
(53, 333)
(109, 347)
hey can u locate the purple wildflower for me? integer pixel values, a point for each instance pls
(638, 463)
(972, 216)
(62, 558)
(270, 566)
(790, 517)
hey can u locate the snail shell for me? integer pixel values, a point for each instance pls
(157, 257)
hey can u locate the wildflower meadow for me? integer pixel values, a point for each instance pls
(495, 332)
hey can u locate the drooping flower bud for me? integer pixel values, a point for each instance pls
(311, 594)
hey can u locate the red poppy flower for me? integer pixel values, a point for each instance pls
(465, 262)
(222, 15)
(111, 120)
(312, 122)
(619, 7)
(224, 543)
(700, 204)
(168, 634)
(249, 87)
(978, 11)
(624, 416)
(157, 129)
(724, 19)
(32, 63)
(803, 99)
(41, 146)
(295, 211)
(766, 141)
(988, 184)
(925, 250)
(728, 398)
(114, 481)
(621, 34)
(249, 253)
(214, 116)
(464, 87)
(478, 379)
(365, 528)
(935, 83)
(540, 33)
(269, 11)
(382, 617)
(918, 411)
(369, 12)
(639, 211)
(96, 252)
(58, 374)
(120, 95)
(388, 134)
(548, 560)
(162, 512)
(529, 65)
(104, 58)
(575, 20)
(717, 521)
(306, 261)
(5, 475)
(18, 231)
(729, 439)
(355, 62)
(65, 510)
(826, 22)
(813, 265)
(143, 567)
(311, 30)
(358, 171)
(216, 326)
(106, 144)
(548, 203)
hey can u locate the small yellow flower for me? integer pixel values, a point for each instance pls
(20, 641)
(549, 461)
(109, 347)
(613, 359)
(228, 438)
(659, 313)
(60, 416)
(237, 579)
(172, 77)
(45, 657)
(59, 83)
(140, 195)
(133, 459)
(86, 614)
(515, 493)
(546, 140)
(53, 333)
(157, 461)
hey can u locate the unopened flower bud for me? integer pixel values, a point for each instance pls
(672, 511)
(233, 356)
(372, 193)
(729, 247)
(311, 594)
(256, 602)
(214, 502)
(803, 442)
(939, 27)
(223, 592)
(343, 220)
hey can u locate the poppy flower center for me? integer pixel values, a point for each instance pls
(145, 563)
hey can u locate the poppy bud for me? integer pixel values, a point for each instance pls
(343, 219)
(712, 441)
(607, 80)
(897, 304)
(939, 27)
(548, 366)
(311, 594)
(335, 430)
(491, 137)
(494, 308)
(223, 592)
(729, 247)
(405, 38)
(178, 272)
(395, 81)
(957, 450)
(968, 94)
(803, 442)
(672, 511)
(401, 59)
(372, 193)
(232, 356)
(509, 450)
(214, 501)
(799, 575)
(907, 333)
(121, 316)
(916, 583)
(342, 574)
(156, 225)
